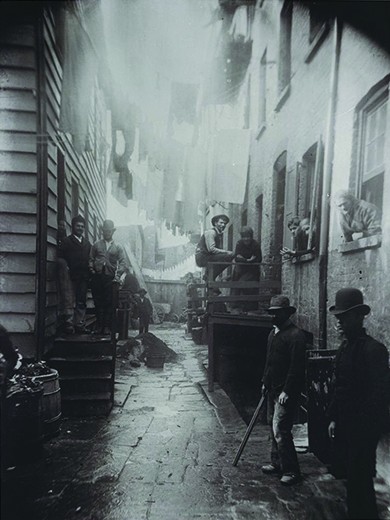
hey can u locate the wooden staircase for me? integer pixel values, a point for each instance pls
(86, 367)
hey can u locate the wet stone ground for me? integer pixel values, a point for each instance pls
(165, 453)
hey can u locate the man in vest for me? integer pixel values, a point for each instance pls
(209, 248)
(106, 263)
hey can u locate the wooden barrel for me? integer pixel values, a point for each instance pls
(51, 403)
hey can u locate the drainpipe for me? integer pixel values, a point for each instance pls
(42, 196)
(327, 182)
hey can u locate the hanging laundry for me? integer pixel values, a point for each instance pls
(230, 166)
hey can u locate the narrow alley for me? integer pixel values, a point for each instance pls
(165, 452)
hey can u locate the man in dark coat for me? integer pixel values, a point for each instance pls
(145, 311)
(106, 263)
(359, 407)
(283, 379)
(74, 252)
(209, 248)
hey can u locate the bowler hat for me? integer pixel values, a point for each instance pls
(215, 219)
(142, 291)
(347, 299)
(108, 224)
(280, 302)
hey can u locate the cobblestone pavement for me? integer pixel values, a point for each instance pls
(165, 453)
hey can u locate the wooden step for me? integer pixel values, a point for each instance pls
(94, 366)
(72, 385)
(80, 346)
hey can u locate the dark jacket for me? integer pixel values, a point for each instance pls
(285, 364)
(362, 381)
(244, 269)
(145, 309)
(76, 255)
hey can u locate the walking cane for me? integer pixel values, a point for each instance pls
(249, 430)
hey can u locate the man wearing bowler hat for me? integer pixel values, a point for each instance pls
(209, 248)
(106, 264)
(283, 379)
(359, 407)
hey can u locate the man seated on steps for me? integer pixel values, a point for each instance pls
(209, 248)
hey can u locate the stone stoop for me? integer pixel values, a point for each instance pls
(86, 367)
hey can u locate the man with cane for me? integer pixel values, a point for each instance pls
(283, 380)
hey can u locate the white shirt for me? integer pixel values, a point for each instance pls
(80, 239)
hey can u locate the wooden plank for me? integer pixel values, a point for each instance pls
(17, 303)
(18, 223)
(21, 323)
(17, 78)
(17, 57)
(51, 72)
(18, 162)
(15, 183)
(18, 35)
(53, 95)
(18, 100)
(20, 243)
(17, 283)
(12, 142)
(12, 121)
(15, 263)
(51, 252)
(18, 203)
(238, 298)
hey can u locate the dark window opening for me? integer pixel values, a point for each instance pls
(244, 218)
(61, 200)
(259, 212)
(75, 199)
(285, 45)
(318, 18)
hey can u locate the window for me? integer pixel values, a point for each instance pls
(306, 181)
(75, 199)
(247, 114)
(244, 218)
(95, 232)
(285, 46)
(60, 186)
(263, 90)
(86, 217)
(259, 212)
(373, 151)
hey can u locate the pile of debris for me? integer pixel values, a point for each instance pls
(138, 349)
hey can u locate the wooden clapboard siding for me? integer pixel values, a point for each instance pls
(18, 182)
(16, 223)
(21, 142)
(17, 283)
(18, 203)
(18, 100)
(16, 263)
(17, 303)
(18, 322)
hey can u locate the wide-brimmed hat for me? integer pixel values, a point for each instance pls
(348, 299)
(279, 302)
(217, 217)
(109, 225)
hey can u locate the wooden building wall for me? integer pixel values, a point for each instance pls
(30, 207)
(18, 183)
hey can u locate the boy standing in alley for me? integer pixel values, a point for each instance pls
(145, 311)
